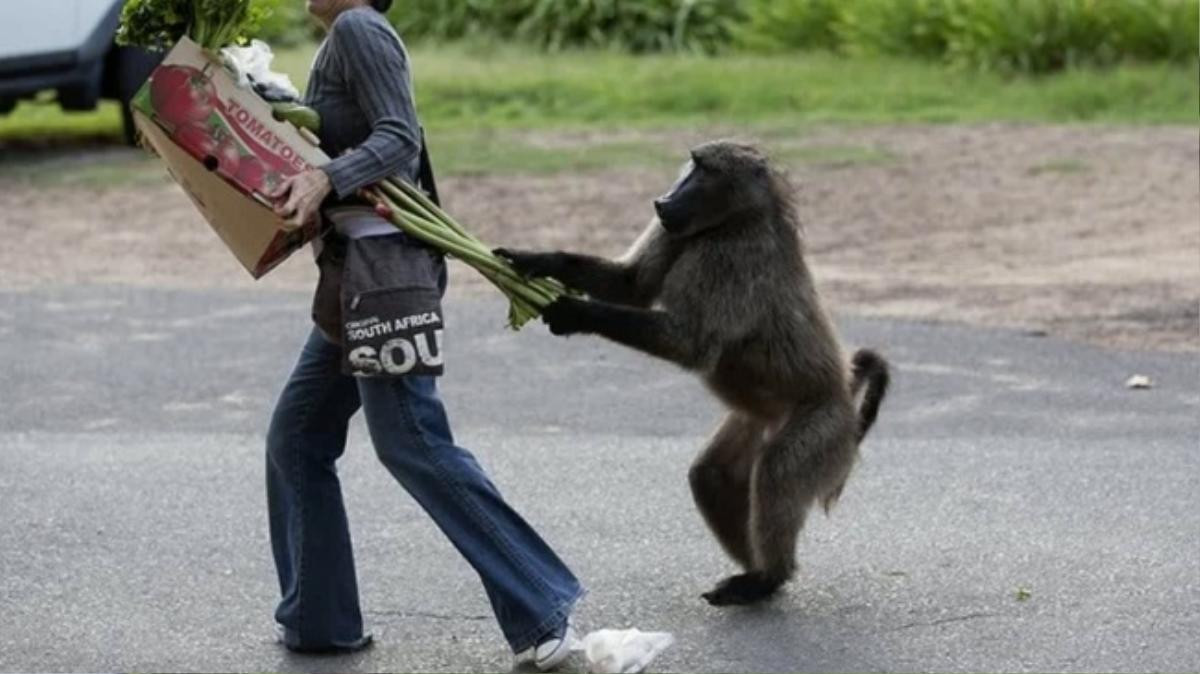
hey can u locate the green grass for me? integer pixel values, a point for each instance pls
(503, 87)
(1003, 35)
(43, 121)
(462, 90)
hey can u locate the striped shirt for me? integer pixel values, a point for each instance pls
(361, 86)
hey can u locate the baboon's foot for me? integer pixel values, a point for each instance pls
(745, 588)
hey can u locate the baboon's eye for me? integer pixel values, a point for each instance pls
(697, 162)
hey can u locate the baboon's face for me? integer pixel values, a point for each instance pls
(720, 179)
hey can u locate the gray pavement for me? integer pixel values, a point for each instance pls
(1016, 509)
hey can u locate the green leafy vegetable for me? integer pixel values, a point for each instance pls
(212, 24)
(302, 116)
(409, 209)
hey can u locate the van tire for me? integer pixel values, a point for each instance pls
(84, 93)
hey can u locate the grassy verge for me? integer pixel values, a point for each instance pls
(461, 90)
(458, 87)
(43, 122)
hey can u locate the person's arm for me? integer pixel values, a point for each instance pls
(375, 68)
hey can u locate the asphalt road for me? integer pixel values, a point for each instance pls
(1017, 507)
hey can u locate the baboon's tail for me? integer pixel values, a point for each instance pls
(871, 370)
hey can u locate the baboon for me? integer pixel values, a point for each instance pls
(718, 284)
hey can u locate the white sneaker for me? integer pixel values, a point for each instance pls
(551, 653)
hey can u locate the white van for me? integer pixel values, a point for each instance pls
(67, 46)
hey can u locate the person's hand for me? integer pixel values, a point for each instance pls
(298, 198)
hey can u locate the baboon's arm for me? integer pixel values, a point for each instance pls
(654, 332)
(601, 279)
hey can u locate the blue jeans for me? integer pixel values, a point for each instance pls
(531, 590)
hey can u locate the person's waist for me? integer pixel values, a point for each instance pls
(355, 221)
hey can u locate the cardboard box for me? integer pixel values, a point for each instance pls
(223, 146)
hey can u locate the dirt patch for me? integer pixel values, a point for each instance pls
(1091, 233)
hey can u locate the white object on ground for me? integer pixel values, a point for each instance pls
(252, 65)
(622, 651)
(1139, 381)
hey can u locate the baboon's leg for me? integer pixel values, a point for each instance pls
(810, 456)
(720, 481)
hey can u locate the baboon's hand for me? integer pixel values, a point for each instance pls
(528, 263)
(566, 316)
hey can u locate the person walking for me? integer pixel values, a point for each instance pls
(373, 277)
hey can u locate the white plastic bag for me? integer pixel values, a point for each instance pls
(252, 67)
(622, 651)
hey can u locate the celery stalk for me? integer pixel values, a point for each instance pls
(409, 209)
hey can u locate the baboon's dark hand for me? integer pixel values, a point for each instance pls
(566, 316)
(525, 262)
